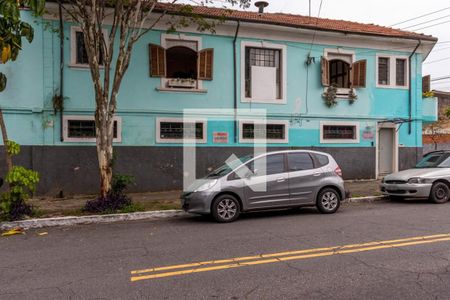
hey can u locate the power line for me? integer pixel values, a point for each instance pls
(440, 49)
(309, 59)
(440, 78)
(317, 22)
(428, 14)
(432, 20)
(441, 83)
(432, 25)
(437, 60)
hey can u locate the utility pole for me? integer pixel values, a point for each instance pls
(310, 8)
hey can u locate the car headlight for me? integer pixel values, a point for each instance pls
(206, 186)
(417, 180)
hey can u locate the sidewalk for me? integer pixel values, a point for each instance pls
(71, 206)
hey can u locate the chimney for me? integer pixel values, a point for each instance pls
(261, 5)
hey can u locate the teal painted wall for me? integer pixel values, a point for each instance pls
(34, 79)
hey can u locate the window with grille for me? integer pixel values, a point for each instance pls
(383, 70)
(392, 71)
(262, 57)
(252, 131)
(84, 129)
(400, 72)
(176, 130)
(339, 132)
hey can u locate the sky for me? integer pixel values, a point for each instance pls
(386, 13)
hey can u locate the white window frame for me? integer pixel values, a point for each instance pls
(342, 54)
(393, 71)
(339, 141)
(68, 118)
(180, 37)
(73, 47)
(159, 140)
(262, 44)
(243, 140)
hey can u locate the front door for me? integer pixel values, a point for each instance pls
(386, 150)
(269, 185)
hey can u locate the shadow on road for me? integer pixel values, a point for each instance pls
(280, 213)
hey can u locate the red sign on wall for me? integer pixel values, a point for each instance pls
(220, 137)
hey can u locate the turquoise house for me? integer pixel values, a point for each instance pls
(352, 90)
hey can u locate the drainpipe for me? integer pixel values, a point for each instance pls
(235, 81)
(61, 70)
(410, 86)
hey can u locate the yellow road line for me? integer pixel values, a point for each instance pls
(287, 258)
(378, 246)
(239, 259)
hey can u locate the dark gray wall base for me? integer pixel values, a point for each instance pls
(73, 169)
(409, 156)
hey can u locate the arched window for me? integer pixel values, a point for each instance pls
(181, 62)
(340, 73)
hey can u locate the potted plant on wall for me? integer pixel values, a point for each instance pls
(330, 95)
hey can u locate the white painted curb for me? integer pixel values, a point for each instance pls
(95, 219)
(365, 199)
(148, 215)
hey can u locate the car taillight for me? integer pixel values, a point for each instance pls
(338, 171)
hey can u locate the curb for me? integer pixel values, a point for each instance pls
(148, 215)
(95, 219)
(365, 199)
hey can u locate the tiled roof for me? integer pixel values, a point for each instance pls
(299, 21)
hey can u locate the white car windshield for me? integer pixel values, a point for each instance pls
(435, 160)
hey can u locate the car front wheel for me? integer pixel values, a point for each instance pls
(328, 201)
(225, 209)
(439, 192)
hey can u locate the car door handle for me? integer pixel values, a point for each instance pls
(281, 179)
(317, 174)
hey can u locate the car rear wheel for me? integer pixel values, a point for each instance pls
(225, 209)
(439, 192)
(328, 201)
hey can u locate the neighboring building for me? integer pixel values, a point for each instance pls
(436, 135)
(284, 63)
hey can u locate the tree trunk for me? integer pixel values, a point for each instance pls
(8, 158)
(105, 166)
(104, 130)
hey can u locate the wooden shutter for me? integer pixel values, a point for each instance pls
(325, 71)
(205, 64)
(157, 60)
(426, 84)
(358, 74)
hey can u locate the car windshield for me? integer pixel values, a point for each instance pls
(435, 160)
(230, 166)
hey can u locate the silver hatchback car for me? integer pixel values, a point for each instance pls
(273, 180)
(429, 179)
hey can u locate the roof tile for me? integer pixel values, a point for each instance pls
(290, 20)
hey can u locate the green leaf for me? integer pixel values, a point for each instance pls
(3, 81)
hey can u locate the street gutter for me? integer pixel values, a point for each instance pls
(148, 215)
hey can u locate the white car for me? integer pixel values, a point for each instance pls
(429, 179)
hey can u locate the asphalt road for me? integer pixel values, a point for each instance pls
(100, 261)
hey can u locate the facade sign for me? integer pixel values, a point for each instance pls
(220, 137)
